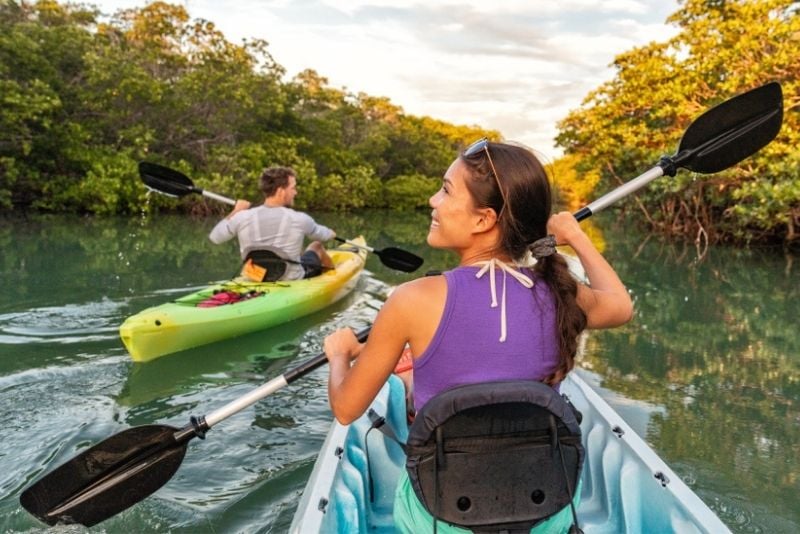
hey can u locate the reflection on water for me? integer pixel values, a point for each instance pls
(714, 345)
(708, 372)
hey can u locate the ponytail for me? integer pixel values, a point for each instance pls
(570, 319)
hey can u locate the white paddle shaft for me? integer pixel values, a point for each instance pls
(246, 400)
(626, 189)
(220, 198)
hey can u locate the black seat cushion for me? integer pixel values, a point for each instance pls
(489, 456)
(274, 265)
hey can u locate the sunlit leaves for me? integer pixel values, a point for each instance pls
(84, 97)
(626, 124)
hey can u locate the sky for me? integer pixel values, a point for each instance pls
(516, 66)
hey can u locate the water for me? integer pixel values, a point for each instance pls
(708, 372)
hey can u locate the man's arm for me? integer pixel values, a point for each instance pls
(314, 231)
(224, 230)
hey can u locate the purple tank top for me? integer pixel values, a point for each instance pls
(466, 348)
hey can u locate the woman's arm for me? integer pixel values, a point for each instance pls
(605, 301)
(351, 388)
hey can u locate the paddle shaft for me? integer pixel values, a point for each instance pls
(620, 192)
(721, 137)
(364, 247)
(272, 386)
(130, 465)
(220, 198)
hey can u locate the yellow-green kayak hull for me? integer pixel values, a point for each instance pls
(181, 324)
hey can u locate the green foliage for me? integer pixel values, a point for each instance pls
(108, 187)
(410, 191)
(357, 189)
(626, 124)
(83, 100)
(573, 185)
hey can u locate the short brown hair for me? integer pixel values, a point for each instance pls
(273, 178)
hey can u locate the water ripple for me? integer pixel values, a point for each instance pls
(70, 323)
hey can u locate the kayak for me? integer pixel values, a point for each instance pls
(238, 306)
(625, 486)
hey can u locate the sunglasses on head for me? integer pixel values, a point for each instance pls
(483, 145)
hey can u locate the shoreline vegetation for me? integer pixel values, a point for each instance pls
(86, 96)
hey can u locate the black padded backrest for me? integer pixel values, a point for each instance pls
(488, 457)
(269, 260)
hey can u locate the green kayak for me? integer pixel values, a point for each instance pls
(203, 317)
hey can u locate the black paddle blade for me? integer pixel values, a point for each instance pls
(399, 259)
(735, 129)
(165, 180)
(107, 478)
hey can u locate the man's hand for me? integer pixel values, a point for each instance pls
(239, 206)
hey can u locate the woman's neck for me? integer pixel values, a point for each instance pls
(473, 257)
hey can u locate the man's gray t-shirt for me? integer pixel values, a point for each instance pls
(279, 229)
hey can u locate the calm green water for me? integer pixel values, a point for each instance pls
(708, 372)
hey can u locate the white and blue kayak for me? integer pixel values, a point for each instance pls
(626, 487)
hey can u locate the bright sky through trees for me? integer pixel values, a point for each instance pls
(513, 66)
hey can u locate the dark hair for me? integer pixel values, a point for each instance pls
(274, 178)
(523, 221)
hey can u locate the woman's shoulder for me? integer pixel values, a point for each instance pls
(423, 284)
(416, 306)
(420, 290)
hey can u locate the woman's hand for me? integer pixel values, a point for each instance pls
(342, 345)
(564, 227)
(605, 301)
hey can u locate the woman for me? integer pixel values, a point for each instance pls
(487, 319)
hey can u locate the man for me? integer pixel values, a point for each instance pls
(276, 227)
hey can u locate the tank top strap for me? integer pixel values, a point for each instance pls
(490, 266)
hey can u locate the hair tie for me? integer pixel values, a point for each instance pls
(543, 247)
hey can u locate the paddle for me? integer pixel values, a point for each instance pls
(173, 183)
(719, 138)
(176, 184)
(125, 468)
(392, 257)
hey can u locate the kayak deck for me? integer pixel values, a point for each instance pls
(626, 487)
(182, 324)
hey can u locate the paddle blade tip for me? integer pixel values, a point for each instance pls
(401, 260)
(108, 478)
(732, 131)
(165, 180)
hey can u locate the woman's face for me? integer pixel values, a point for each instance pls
(454, 215)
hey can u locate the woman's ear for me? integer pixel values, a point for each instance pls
(487, 219)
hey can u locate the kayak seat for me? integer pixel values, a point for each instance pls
(497, 456)
(263, 266)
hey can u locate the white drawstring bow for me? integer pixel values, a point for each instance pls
(489, 266)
